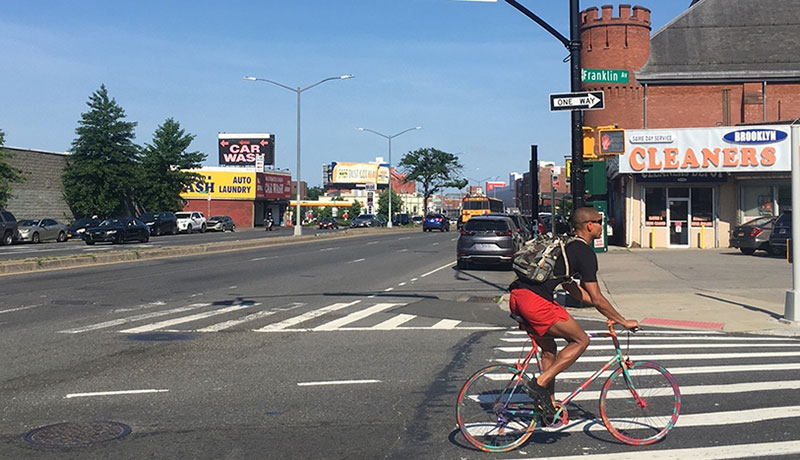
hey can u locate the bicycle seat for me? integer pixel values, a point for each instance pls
(518, 319)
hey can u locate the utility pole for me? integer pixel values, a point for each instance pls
(533, 170)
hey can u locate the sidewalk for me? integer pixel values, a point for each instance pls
(713, 289)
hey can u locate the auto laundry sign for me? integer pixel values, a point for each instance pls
(244, 149)
(705, 150)
(232, 185)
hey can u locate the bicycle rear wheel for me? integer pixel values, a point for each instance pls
(493, 412)
(642, 409)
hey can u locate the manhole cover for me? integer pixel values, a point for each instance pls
(76, 434)
(160, 337)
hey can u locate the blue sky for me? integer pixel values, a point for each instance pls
(475, 75)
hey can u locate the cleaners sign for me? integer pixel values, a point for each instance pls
(244, 149)
(701, 150)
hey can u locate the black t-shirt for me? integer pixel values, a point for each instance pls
(582, 262)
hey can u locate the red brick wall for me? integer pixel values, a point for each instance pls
(622, 43)
(240, 211)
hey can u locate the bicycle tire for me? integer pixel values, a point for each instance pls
(623, 414)
(493, 412)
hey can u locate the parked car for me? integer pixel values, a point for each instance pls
(545, 223)
(117, 231)
(8, 228)
(753, 235)
(416, 220)
(329, 222)
(160, 223)
(365, 220)
(487, 239)
(39, 230)
(401, 218)
(519, 221)
(436, 222)
(781, 231)
(76, 229)
(220, 224)
(191, 221)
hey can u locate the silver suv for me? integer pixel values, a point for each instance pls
(8, 228)
(487, 239)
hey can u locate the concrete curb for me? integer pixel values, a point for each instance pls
(16, 267)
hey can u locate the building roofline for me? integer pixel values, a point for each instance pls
(24, 149)
(676, 18)
(739, 76)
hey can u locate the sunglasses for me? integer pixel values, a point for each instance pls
(598, 221)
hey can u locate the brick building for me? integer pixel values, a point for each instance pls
(719, 68)
(42, 193)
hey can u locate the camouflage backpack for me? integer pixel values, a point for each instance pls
(535, 263)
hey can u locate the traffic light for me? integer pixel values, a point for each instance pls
(589, 150)
(610, 141)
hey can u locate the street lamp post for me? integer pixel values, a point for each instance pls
(298, 229)
(389, 138)
(573, 44)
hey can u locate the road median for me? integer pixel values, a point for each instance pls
(36, 264)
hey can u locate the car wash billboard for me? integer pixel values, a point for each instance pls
(348, 173)
(761, 148)
(242, 149)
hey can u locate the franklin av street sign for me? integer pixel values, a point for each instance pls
(604, 76)
(588, 100)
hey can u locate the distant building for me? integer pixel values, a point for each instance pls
(42, 193)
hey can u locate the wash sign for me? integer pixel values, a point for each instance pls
(232, 185)
(243, 149)
(764, 148)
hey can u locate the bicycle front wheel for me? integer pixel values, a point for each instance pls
(493, 412)
(641, 405)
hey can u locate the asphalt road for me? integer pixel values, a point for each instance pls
(351, 348)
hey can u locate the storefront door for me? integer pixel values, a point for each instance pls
(678, 222)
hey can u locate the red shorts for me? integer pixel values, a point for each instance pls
(538, 312)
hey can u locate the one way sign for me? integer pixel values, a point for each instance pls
(589, 100)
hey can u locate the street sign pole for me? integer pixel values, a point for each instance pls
(791, 296)
(577, 115)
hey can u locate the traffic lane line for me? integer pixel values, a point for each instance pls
(337, 382)
(113, 393)
(450, 264)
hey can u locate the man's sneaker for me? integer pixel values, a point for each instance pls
(541, 397)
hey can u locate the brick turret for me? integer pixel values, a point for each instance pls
(621, 43)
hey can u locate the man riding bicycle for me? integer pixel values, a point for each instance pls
(535, 303)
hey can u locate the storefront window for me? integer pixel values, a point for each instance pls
(784, 198)
(655, 203)
(702, 207)
(756, 201)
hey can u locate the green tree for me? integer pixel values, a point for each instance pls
(163, 165)
(8, 174)
(314, 193)
(383, 204)
(355, 209)
(102, 171)
(433, 169)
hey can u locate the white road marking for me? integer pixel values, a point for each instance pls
(329, 249)
(112, 393)
(357, 260)
(183, 319)
(414, 279)
(355, 316)
(393, 322)
(373, 242)
(402, 250)
(388, 289)
(673, 338)
(258, 258)
(252, 317)
(446, 324)
(402, 284)
(683, 357)
(337, 382)
(405, 238)
(661, 346)
(436, 243)
(679, 370)
(437, 269)
(19, 308)
(130, 319)
(305, 317)
(760, 450)
(643, 332)
(453, 239)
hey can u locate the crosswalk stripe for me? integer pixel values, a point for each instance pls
(675, 370)
(305, 317)
(674, 338)
(181, 320)
(131, 319)
(685, 356)
(446, 324)
(393, 322)
(252, 317)
(355, 316)
(662, 346)
(761, 450)
(639, 333)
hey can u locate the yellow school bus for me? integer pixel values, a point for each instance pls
(478, 206)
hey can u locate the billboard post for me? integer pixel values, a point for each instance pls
(789, 310)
